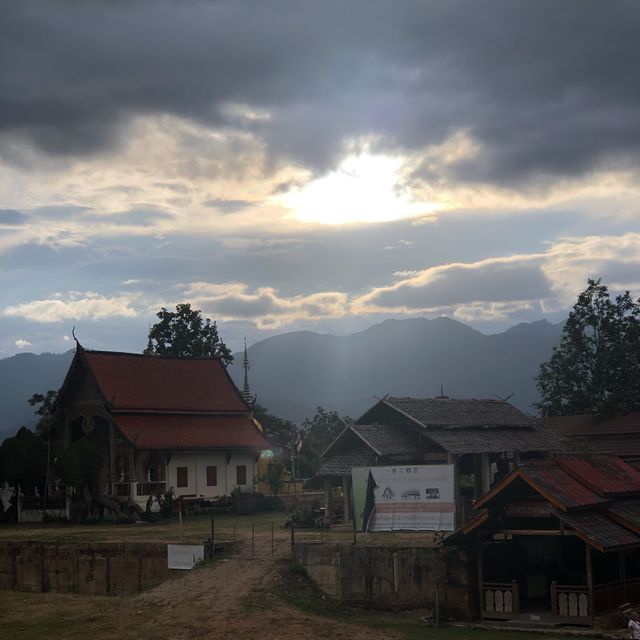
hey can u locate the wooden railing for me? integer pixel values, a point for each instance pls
(147, 488)
(570, 601)
(500, 599)
(607, 596)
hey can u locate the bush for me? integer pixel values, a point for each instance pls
(166, 502)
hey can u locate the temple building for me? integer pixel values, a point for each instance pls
(159, 424)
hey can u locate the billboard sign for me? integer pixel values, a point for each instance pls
(184, 556)
(404, 497)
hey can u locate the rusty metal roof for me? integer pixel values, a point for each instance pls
(598, 531)
(608, 476)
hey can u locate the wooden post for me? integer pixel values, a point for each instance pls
(554, 598)
(452, 458)
(327, 497)
(479, 550)
(345, 498)
(589, 565)
(213, 536)
(622, 573)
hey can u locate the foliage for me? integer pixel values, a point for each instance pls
(23, 461)
(318, 433)
(280, 433)
(184, 333)
(308, 517)
(274, 476)
(166, 502)
(596, 367)
(79, 464)
(44, 406)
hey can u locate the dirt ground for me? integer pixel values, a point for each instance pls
(229, 598)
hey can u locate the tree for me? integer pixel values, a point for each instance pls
(79, 464)
(184, 333)
(43, 406)
(596, 367)
(318, 433)
(274, 476)
(280, 433)
(23, 461)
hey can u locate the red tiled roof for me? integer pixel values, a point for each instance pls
(147, 383)
(606, 475)
(167, 431)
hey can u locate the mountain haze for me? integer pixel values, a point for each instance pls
(293, 373)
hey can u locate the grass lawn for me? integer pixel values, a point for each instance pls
(195, 529)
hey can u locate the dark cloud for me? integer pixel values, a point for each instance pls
(229, 206)
(547, 88)
(452, 286)
(11, 217)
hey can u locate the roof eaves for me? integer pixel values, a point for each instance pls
(404, 413)
(369, 444)
(337, 438)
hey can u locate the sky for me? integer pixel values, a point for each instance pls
(294, 165)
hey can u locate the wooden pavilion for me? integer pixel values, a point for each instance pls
(557, 540)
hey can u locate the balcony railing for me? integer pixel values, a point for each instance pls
(500, 599)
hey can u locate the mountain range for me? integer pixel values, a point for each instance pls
(293, 373)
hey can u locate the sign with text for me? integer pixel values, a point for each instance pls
(407, 497)
(184, 556)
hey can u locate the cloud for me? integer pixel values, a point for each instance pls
(11, 217)
(264, 306)
(21, 343)
(74, 306)
(535, 89)
(229, 206)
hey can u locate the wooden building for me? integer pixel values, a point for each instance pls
(158, 424)
(618, 435)
(481, 438)
(557, 540)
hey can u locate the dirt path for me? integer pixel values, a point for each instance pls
(216, 598)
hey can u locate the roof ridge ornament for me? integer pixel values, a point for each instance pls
(73, 333)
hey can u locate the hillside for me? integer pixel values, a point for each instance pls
(295, 372)
(23, 375)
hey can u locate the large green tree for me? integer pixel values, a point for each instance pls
(596, 367)
(23, 461)
(185, 333)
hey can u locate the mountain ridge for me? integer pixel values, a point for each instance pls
(295, 372)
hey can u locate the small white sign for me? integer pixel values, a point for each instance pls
(184, 556)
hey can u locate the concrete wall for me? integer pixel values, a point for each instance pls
(94, 569)
(388, 577)
(197, 462)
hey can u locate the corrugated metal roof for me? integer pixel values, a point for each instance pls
(598, 531)
(567, 492)
(607, 475)
(170, 431)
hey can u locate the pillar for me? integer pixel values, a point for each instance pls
(452, 458)
(346, 497)
(327, 497)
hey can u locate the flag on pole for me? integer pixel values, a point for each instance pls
(299, 443)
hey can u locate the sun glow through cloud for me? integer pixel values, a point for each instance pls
(364, 188)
